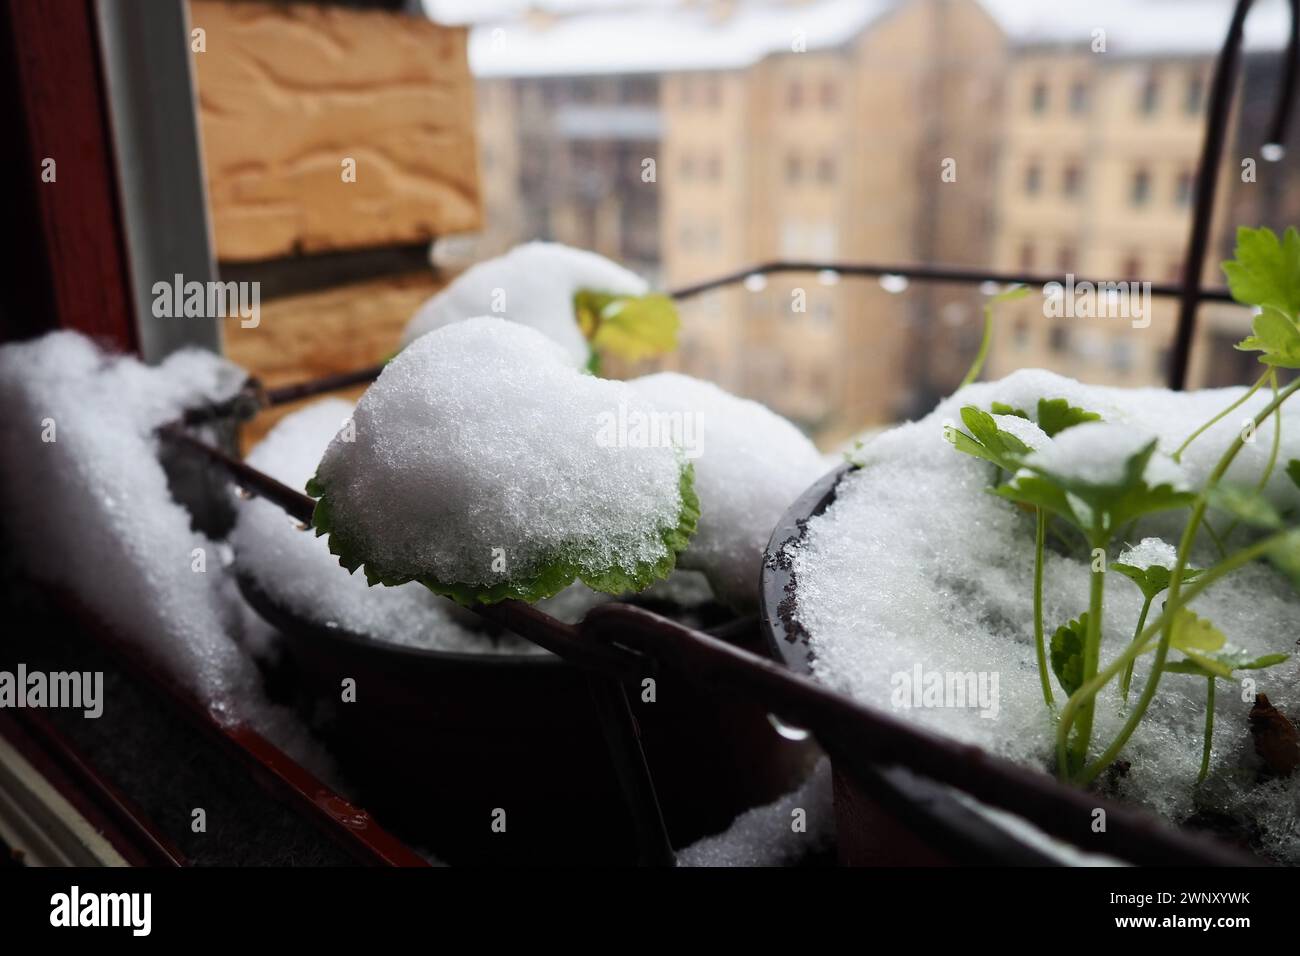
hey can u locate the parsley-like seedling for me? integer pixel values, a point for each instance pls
(629, 326)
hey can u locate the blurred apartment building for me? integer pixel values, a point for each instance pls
(689, 141)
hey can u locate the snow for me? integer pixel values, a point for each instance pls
(1150, 553)
(91, 510)
(478, 458)
(649, 39)
(752, 464)
(296, 570)
(1095, 453)
(915, 564)
(1022, 428)
(662, 36)
(766, 836)
(532, 284)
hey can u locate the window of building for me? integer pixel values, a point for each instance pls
(1058, 340)
(830, 94)
(1183, 191)
(794, 95)
(1149, 98)
(1194, 100)
(1140, 188)
(713, 92)
(1020, 333)
(1038, 97)
(1066, 257)
(1079, 97)
(793, 168)
(688, 166)
(715, 167)
(1072, 180)
(1033, 179)
(1026, 255)
(1121, 356)
(1131, 268)
(826, 169)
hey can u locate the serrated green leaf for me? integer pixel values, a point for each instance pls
(1001, 408)
(1285, 556)
(553, 576)
(1055, 415)
(1192, 632)
(1067, 653)
(1266, 271)
(633, 327)
(1151, 581)
(1246, 504)
(983, 439)
(1277, 336)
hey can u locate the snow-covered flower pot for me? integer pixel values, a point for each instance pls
(440, 735)
(958, 577)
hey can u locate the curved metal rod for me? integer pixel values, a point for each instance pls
(1207, 171)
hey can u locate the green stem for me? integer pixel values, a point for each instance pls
(978, 365)
(1209, 731)
(1078, 755)
(1277, 438)
(1175, 586)
(1040, 646)
(1143, 643)
(1137, 634)
(1219, 417)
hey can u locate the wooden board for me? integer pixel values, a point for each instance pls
(307, 336)
(287, 93)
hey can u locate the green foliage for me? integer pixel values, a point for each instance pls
(1097, 510)
(1247, 505)
(983, 439)
(632, 327)
(1151, 581)
(1276, 336)
(1293, 471)
(1055, 415)
(1067, 653)
(1207, 652)
(553, 576)
(1265, 271)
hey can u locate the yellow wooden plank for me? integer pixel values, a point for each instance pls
(289, 94)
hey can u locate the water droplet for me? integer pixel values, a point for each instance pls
(1272, 152)
(893, 283)
(756, 282)
(828, 277)
(788, 731)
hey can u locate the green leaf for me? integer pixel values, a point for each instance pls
(1246, 504)
(1285, 556)
(1266, 271)
(1067, 653)
(553, 576)
(1151, 581)
(1056, 415)
(1120, 502)
(1001, 408)
(1027, 488)
(983, 439)
(633, 327)
(1293, 471)
(1277, 336)
(1207, 652)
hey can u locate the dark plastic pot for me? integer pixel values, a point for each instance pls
(887, 815)
(438, 741)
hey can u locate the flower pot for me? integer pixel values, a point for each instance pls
(437, 742)
(887, 815)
